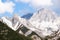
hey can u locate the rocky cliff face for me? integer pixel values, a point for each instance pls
(44, 23)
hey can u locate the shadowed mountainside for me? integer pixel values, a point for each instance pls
(8, 34)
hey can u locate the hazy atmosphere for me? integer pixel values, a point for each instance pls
(23, 7)
(29, 19)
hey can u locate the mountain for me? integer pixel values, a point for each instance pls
(43, 23)
(8, 22)
(17, 22)
(27, 16)
(7, 33)
(21, 25)
(44, 14)
(46, 21)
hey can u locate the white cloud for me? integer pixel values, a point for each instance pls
(6, 7)
(41, 3)
(24, 1)
(38, 3)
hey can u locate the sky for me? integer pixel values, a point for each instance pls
(23, 7)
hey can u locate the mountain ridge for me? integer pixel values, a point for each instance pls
(27, 16)
(43, 22)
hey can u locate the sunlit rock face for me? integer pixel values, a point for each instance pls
(47, 28)
(47, 21)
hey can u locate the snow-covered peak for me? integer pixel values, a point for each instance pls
(44, 9)
(7, 22)
(46, 21)
(14, 23)
(44, 14)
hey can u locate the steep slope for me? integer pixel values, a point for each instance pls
(8, 22)
(44, 23)
(7, 33)
(44, 20)
(20, 25)
(44, 14)
(25, 22)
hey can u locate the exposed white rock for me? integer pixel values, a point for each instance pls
(45, 20)
(44, 23)
(9, 23)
